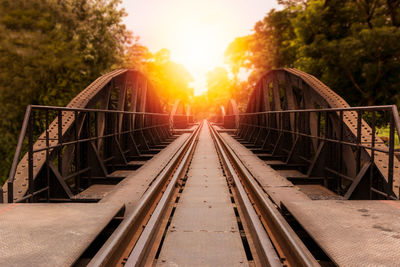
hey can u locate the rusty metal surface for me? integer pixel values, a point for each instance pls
(141, 252)
(353, 233)
(122, 173)
(120, 90)
(95, 192)
(350, 118)
(318, 192)
(288, 246)
(291, 173)
(204, 230)
(276, 185)
(49, 234)
(80, 101)
(140, 207)
(290, 89)
(131, 189)
(213, 249)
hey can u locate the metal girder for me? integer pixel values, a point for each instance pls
(231, 117)
(180, 115)
(116, 117)
(324, 133)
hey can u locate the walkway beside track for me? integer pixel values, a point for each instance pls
(204, 227)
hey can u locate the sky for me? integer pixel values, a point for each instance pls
(197, 32)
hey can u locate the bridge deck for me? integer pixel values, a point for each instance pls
(353, 232)
(50, 234)
(204, 228)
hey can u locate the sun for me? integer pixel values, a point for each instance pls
(200, 48)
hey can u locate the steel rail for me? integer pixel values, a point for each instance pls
(295, 251)
(112, 249)
(264, 246)
(142, 246)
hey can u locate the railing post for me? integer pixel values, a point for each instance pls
(371, 170)
(359, 114)
(77, 152)
(391, 152)
(318, 127)
(1, 195)
(47, 155)
(59, 117)
(325, 155)
(30, 156)
(96, 129)
(340, 154)
(10, 191)
(89, 135)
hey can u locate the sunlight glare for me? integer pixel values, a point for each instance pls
(200, 48)
(197, 32)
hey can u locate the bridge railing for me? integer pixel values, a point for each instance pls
(310, 135)
(48, 132)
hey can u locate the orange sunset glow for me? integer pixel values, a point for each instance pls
(195, 32)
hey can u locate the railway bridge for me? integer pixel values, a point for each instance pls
(299, 179)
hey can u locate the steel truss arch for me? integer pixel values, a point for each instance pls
(125, 119)
(269, 126)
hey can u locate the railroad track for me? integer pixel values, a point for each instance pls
(138, 227)
(174, 222)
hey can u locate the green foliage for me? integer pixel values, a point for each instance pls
(352, 46)
(384, 133)
(49, 51)
(221, 87)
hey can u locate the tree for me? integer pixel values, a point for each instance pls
(219, 86)
(171, 79)
(49, 51)
(352, 46)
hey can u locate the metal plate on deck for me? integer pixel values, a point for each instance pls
(318, 192)
(122, 173)
(50, 234)
(212, 249)
(205, 217)
(198, 194)
(95, 192)
(353, 232)
(281, 195)
(291, 173)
